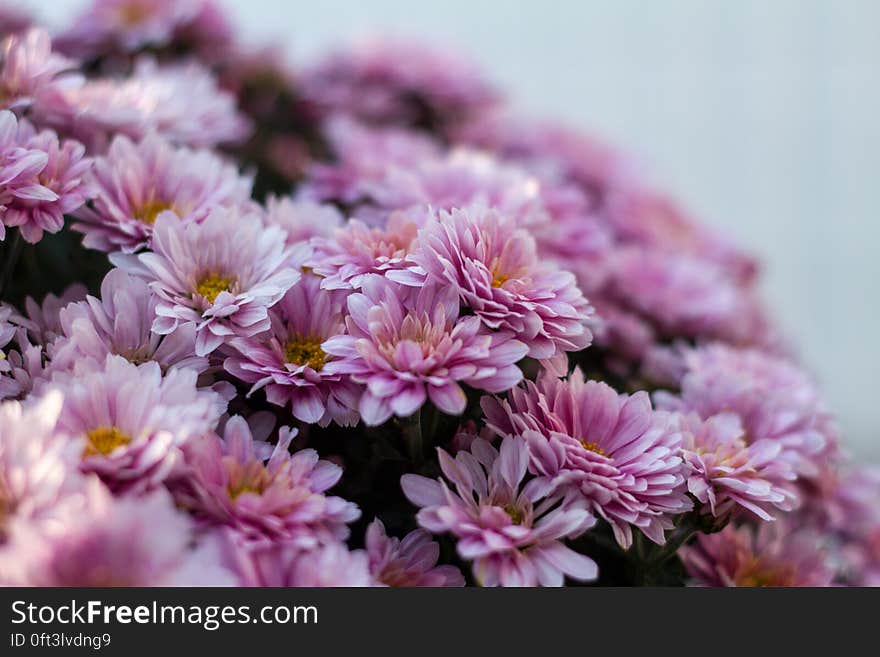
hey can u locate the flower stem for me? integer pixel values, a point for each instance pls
(411, 428)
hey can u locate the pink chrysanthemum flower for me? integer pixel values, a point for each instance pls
(494, 267)
(41, 178)
(362, 158)
(287, 361)
(512, 532)
(134, 183)
(21, 361)
(119, 322)
(774, 554)
(398, 82)
(773, 398)
(126, 26)
(221, 274)
(28, 66)
(38, 467)
(262, 491)
(43, 320)
(408, 562)
(120, 541)
(408, 345)
(615, 450)
(133, 420)
(684, 296)
(182, 103)
(728, 475)
(355, 251)
(285, 565)
(302, 219)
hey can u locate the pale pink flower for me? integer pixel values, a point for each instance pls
(408, 562)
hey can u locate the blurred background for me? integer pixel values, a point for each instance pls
(762, 117)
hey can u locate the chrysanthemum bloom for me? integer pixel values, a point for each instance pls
(614, 450)
(683, 296)
(772, 397)
(120, 541)
(398, 82)
(126, 26)
(356, 251)
(408, 562)
(43, 319)
(408, 345)
(512, 532)
(302, 219)
(221, 274)
(287, 361)
(728, 475)
(38, 467)
(36, 198)
(182, 103)
(774, 554)
(560, 152)
(362, 159)
(494, 268)
(28, 65)
(135, 182)
(21, 361)
(287, 565)
(264, 492)
(119, 322)
(133, 420)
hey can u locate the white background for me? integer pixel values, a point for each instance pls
(761, 115)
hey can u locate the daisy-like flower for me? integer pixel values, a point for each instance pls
(126, 26)
(390, 81)
(119, 322)
(135, 182)
(408, 562)
(356, 251)
(728, 475)
(513, 532)
(43, 320)
(37, 196)
(302, 219)
(287, 361)
(773, 554)
(773, 398)
(684, 296)
(181, 102)
(614, 450)
(408, 345)
(21, 361)
(27, 66)
(38, 467)
(120, 541)
(494, 268)
(264, 492)
(221, 274)
(362, 159)
(286, 565)
(133, 421)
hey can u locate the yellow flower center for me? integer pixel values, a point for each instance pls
(133, 13)
(305, 350)
(592, 447)
(515, 514)
(253, 477)
(151, 209)
(212, 285)
(104, 440)
(498, 278)
(757, 574)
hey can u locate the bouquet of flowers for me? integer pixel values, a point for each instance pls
(354, 323)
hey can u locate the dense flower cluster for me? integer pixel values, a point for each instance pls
(356, 324)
